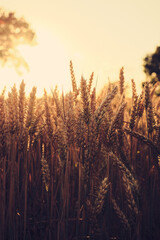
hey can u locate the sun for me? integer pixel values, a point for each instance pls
(48, 62)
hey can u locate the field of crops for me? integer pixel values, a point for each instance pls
(80, 166)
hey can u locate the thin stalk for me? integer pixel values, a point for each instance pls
(131, 139)
(4, 199)
(25, 192)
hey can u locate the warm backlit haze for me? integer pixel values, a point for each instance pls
(100, 36)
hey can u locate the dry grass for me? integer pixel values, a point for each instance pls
(80, 166)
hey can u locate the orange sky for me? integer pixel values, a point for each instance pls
(100, 36)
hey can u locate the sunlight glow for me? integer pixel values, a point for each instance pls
(48, 63)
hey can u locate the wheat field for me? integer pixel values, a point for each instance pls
(80, 166)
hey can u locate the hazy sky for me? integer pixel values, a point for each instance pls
(97, 35)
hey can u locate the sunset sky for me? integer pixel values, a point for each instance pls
(97, 35)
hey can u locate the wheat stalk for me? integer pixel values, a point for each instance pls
(31, 108)
(101, 110)
(90, 82)
(101, 194)
(134, 91)
(116, 123)
(21, 105)
(142, 138)
(133, 114)
(93, 100)
(121, 81)
(121, 215)
(73, 79)
(45, 170)
(85, 100)
(147, 95)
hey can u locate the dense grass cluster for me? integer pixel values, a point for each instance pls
(78, 166)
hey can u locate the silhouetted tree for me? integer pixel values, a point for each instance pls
(152, 65)
(14, 32)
